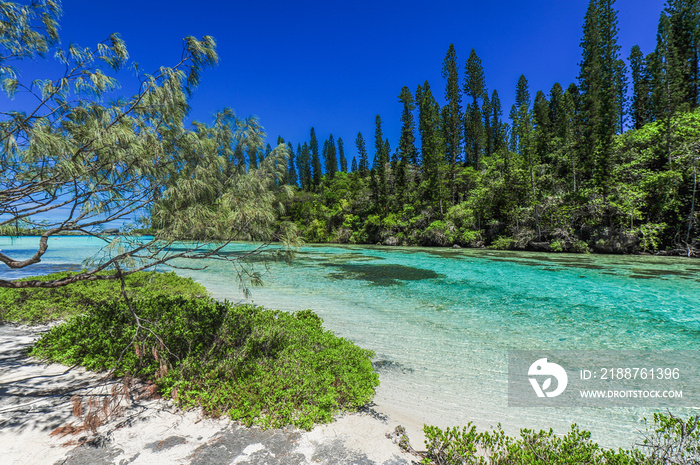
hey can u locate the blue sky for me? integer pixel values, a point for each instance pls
(335, 65)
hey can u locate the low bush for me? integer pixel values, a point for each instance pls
(37, 305)
(502, 243)
(670, 440)
(258, 366)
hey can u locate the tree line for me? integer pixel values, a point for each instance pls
(586, 166)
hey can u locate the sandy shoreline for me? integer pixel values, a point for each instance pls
(35, 401)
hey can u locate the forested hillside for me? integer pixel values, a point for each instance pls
(607, 164)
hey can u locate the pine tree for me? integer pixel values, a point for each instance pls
(600, 81)
(300, 167)
(331, 159)
(497, 126)
(315, 160)
(324, 156)
(522, 138)
(291, 163)
(381, 158)
(407, 146)
(659, 92)
(683, 52)
(473, 135)
(304, 167)
(432, 145)
(556, 110)
(363, 168)
(407, 141)
(474, 87)
(452, 116)
(572, 103)
(568, 146)
(486, 110)
(674, 63)
(520, 116)
(353, 167)
(341, 156)
(640, 107)
(543, 128)
(558, 122)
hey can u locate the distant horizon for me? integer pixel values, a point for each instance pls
(335, 67)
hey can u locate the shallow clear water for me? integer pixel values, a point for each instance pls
(441, 320)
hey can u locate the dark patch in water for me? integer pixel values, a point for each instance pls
(542, 266)
(659, 273)
(385, 365)
(382, 275)
(344, 257)
(445, 253)
(587, 266)
(567, 263)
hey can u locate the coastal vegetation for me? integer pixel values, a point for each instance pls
(593, 165)
(254, 365)
(41, 305)
(667, 440)
(606, 164)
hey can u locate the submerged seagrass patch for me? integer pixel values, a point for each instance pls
(382, 275)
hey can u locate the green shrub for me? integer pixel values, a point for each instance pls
(580, 247)
(470, 236)
(670, 440)
(39, 305)
(502, 243)
(315, 231)
(455, 446)
(650, 236)
(258, 366)
(439, 233)
(556, 246)
(673, 440)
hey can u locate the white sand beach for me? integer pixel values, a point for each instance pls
(38, 425)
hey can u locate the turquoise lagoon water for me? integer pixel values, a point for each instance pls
(442, 320)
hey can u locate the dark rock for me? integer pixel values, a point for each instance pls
(277, 448)
(390, 365)
(89, 454)
(166, 443)
(539, 246)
